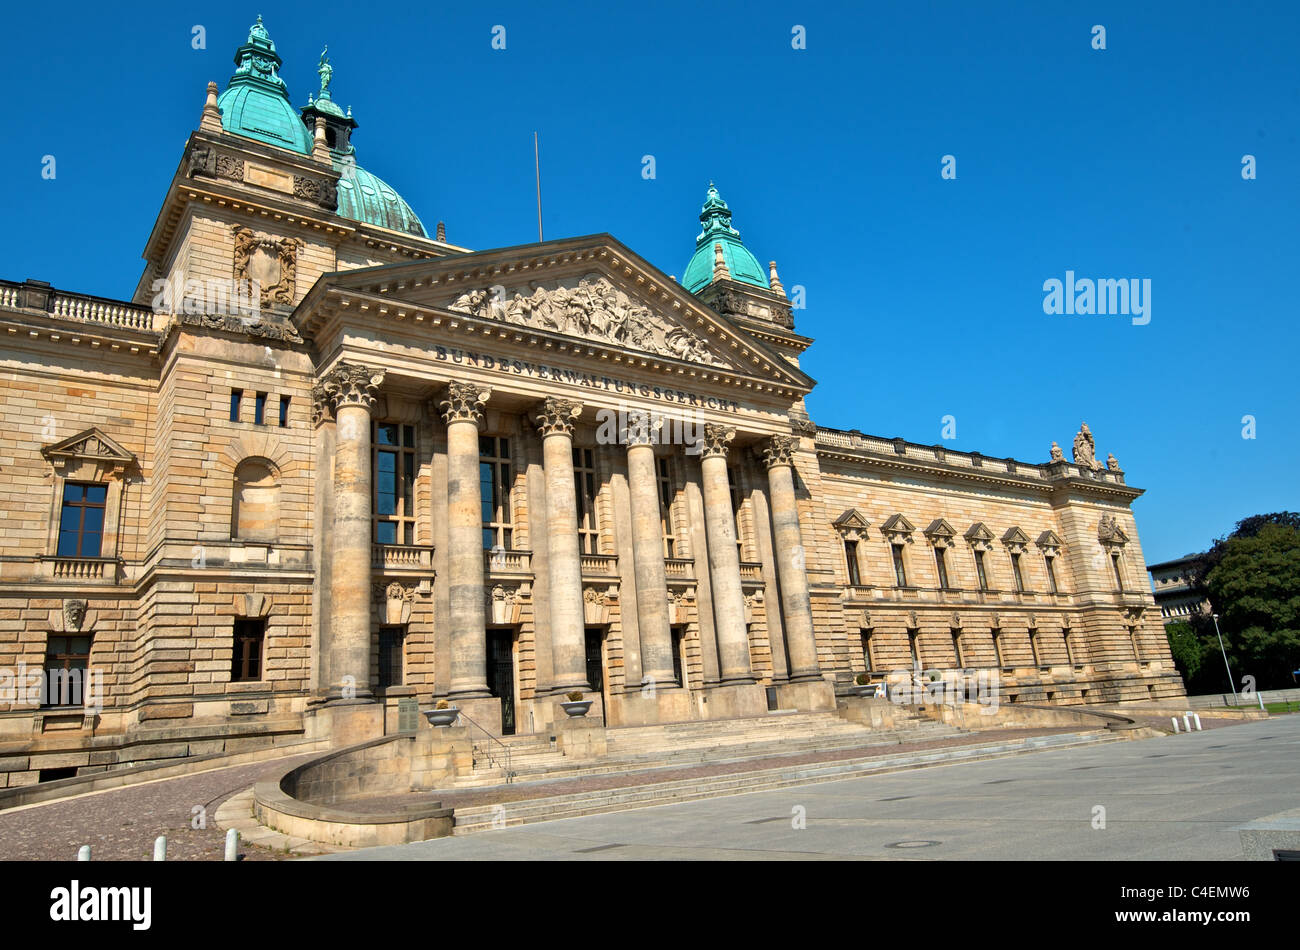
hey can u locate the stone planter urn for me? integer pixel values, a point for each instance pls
(577, 708)
(442, 717)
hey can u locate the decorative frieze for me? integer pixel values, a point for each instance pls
(351, 384)
(557, 416)
(322, 191)
(281, 331)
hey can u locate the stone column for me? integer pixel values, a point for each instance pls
(648, 558)
(724, 561)
(462, 411)
(352, 390)
(777, 454)
(564, 563)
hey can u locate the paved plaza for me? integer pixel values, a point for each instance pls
(1172, 798)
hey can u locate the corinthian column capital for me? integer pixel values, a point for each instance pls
(778, 450)
(642, 428)
(716, 438)
(556, 417)
(351, 384)
(464, 402)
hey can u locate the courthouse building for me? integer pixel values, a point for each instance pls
(402, 470)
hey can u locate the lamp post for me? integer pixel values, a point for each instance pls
(1225, 659)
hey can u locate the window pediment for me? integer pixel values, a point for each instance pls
(1015, 540)
(90, 447)
(897, 529)
(979, 536)
(852, 525)
(940, 533)
(1049, 543)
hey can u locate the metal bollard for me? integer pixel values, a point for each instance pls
(1174, 720)
(160, 848)
(83, 853)
(232, 845)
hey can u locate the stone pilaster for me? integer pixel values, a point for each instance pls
(648, 557)
(724, 561)
(462, 410)
(777, 454)
(351, 389)
(555, 421)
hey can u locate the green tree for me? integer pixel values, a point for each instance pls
(1255, 586)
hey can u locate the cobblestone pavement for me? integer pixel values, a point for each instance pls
(121, 824)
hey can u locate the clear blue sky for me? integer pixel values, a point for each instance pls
(924, 295)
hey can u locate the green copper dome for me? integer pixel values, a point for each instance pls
(744, 267)
(256, 103)
(366, 197)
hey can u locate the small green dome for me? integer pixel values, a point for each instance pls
(256, 103)
(368, 198)
(744, 267)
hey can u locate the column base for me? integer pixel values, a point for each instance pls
(735, 701)
(485, 712)
(637, 707)
(813, 695)
(345, 723)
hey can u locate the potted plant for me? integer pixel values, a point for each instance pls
(576, 706)
(443, 714)
(864, 685)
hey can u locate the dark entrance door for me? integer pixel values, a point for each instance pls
(501, 675)
(596, 665)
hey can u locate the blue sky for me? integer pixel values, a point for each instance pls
(924, 294)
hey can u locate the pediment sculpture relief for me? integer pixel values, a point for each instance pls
(594, 309)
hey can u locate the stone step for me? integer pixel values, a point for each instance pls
(556, 766)
(472, 819)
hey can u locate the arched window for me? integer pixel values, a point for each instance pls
(255, 505)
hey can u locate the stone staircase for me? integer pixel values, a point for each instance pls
(676, 745)
(474, 818)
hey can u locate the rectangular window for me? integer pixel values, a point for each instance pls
(979, 570)
(67, 660)
(914, 647)
(495, 480)
(1119, 573)
(81, 521)
(236, 399)
(393, 445)
(900, 574)
(667, 491)
(733, 482)
(866, 648)
(584, 485)
(391, 656)
(1069, 646)
(246, 659)
(941, 566)
(284, 411)
(259, 410)
(956, 647)
(679, 655)
(1051, 574)
(997, 647)
(1033, 647)
(851, 559)
(1015, 572)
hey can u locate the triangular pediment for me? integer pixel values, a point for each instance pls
(1049, 539)
(979, 532)
(1014, 535)
(90, 445)
(897, 524)
(592, 290)
(853, 519)
(939, 528)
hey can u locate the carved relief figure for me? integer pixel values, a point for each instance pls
(596, 309)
